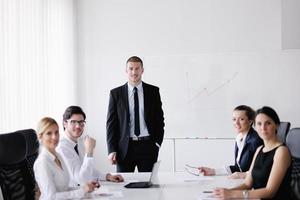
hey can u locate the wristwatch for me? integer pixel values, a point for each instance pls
(245, 194)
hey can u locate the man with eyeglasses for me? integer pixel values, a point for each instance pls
(77, 151)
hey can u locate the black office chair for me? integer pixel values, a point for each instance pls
(293, 141)
(32, 144)
(283, 130)
(17, 155)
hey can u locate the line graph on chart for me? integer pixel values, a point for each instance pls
(206, 91)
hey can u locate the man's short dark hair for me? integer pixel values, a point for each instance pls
(71, 110)
(135, 59)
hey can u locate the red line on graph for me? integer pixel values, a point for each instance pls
(208, 92)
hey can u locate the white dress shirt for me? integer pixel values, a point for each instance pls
(52, 180)
(81, 167)
(143, 128)
(240, 141)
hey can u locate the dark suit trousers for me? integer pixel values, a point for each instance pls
(142, 154)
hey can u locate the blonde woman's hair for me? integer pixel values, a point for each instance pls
(44, 124)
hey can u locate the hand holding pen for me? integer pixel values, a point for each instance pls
(90, 186)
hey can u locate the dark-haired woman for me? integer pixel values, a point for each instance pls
(269, 174)
(247, 141)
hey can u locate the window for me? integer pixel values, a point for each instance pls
(37, 61)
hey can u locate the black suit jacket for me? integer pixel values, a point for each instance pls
(118, 120)
(252, 142)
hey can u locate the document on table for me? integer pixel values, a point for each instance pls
(206, 195)
(103, 193)
(197, 179)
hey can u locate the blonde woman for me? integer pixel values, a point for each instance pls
(50, 170)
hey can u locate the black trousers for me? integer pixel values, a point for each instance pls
(141, 154)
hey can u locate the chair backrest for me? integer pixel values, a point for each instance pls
(32, 144)
(1, 196)
(31, 141)
(283, 130)
(16, 174)
(293, 141)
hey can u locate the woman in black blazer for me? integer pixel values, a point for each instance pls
(247, 141)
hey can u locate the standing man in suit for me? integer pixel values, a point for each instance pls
(135, 122)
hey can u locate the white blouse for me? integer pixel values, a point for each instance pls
(52, 180)
(240, 141)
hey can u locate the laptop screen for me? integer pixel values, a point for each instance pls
(146, 184)
(154, 173)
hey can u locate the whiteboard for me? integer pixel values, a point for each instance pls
(199, 92)
(206, 56)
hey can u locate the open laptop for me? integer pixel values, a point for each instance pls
(146, 184)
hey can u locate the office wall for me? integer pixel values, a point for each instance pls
(290, 26)
(206, 56)
(177, 152)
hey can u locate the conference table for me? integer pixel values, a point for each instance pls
(172, 186)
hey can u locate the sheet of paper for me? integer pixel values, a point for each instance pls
(103, 193)
(206, 195)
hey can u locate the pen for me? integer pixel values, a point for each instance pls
(97, 184)
(207, 191)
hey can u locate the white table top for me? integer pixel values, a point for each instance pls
(178, 185)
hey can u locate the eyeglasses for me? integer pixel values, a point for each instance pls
(75, 122)
(192, 170)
